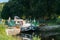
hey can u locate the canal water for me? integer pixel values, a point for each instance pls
(29, 36)
(41, 35)
(36, 36)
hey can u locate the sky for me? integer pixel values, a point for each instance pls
(3, 1)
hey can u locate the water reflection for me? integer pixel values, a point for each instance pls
(28, 36)
(37, 36)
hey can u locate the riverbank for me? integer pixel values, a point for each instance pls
(4, 36)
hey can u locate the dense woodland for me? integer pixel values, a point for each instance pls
(31, 8)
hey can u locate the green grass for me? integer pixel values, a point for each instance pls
(36, 38)
(3, 35)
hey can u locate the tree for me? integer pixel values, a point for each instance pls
(34, 8)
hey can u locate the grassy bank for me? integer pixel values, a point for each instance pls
(3, 35)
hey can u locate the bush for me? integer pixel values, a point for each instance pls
(58, 20)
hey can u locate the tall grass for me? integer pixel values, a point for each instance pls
(36, 37)
(3, 35)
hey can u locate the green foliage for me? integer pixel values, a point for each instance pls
(36, 38)
(34, 8)
(58, 20)
(3, 35)
(1, 7)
